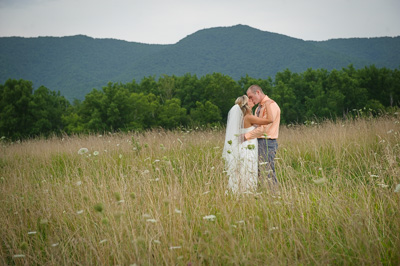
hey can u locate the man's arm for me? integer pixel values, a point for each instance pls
(261, 131)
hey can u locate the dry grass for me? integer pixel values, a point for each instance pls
(143, 201)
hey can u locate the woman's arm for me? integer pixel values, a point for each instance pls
(262, 121)
(259, 121)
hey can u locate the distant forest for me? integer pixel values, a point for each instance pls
(172, 102)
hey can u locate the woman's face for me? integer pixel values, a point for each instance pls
(250, 103)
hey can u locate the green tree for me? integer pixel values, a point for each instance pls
(47, 108)
(205, 114)
(172, 115)
(16, 118)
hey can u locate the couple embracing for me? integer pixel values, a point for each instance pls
(251, 142)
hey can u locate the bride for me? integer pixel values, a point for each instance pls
(241, 157)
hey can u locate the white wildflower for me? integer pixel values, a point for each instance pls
(55, 244)
(156, 161)
(145, 172)
(374, 175)
(79, 212)
(205, 193)
(320, 181)
(19, 256)
(157, 241)
(397, 190)
(209, 217)
(83, 151)
(32, 233)
(178, 211)
(273, 228)
(145, 215)
(103, 241)
(382, 185)
(95, 153)
(175, 247)
(151, 220)
(240, 222)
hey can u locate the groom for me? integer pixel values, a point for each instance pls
(266, 135)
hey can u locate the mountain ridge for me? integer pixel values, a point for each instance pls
(74, 65)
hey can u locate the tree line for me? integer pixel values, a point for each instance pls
(171, 102)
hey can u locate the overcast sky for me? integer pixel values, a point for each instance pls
(168, 21)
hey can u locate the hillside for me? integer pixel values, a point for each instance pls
(75, 65)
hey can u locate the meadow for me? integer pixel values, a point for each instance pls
(159, 198)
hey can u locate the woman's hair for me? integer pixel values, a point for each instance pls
(243, 101)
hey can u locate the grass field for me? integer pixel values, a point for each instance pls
(159, 198)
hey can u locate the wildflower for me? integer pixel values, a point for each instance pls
(156, 161)
(320, 181)
(397, 190)
(95, 153)
(117, 196)
(145, 215)
(157, 241)
(19, 256)
(24, 246)
(120, 156)
(374, 175)
(209, 217)
(273, 228)
(79, 212)
(83, 151)
(205, 193)
(55, 244)
(151, 220)
(251, 146)
(98, 207)
(178, 211)
(103, 241)
(175, 247)
(382, 185)
(240, 222)
(32, 233)
(145, 172)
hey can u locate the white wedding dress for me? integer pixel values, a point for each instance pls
(241, 159)
(244, 177)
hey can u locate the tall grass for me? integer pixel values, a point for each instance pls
(160, 198)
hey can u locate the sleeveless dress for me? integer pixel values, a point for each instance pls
(244, 178)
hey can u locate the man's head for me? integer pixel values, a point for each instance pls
(255, 94)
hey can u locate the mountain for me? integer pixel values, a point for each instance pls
(75, 65)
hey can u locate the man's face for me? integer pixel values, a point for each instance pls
(254, 97)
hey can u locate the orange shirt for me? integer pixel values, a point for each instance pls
(271, 130)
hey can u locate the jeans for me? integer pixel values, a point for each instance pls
(266, 156)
